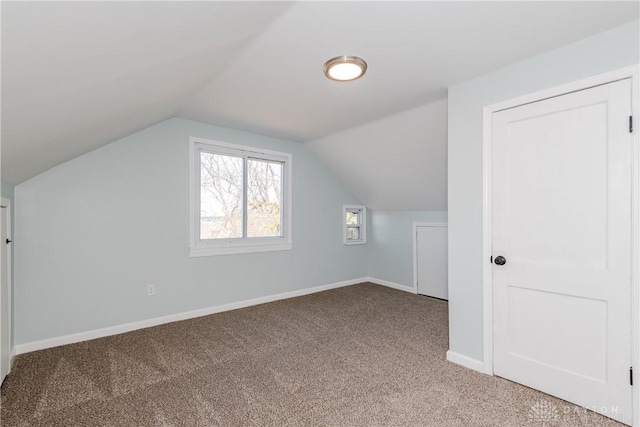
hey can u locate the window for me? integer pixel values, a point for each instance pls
(354, 221)
(240, 199)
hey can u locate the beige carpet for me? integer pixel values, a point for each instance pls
(363, 355)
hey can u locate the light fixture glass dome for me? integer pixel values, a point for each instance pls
(345, 68)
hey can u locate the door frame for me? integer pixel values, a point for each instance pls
(632, 73)
(415, 247)
(6, 204)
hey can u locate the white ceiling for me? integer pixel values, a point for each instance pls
(78, 75)
(396, 163)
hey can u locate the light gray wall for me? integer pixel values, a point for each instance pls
(390, 243)
(614, 49)
(7, 190)
(92, 233)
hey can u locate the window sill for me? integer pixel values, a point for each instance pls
(230, 250)
(359, 242)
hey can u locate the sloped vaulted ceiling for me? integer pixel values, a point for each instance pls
(396, 163)
(78, 75)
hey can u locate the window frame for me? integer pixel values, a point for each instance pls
(210, 247)
(362, 211)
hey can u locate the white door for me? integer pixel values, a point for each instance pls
(561, 203)
(5, 303)
(431, 261)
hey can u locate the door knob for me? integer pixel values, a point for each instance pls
(500, 260)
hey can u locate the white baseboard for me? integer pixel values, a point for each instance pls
(388, 284)
(465, 361)
(128, 327)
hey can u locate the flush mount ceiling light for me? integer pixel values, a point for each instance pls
(345, 68)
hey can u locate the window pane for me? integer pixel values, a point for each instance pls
(264, 198)
(220, 196)
(353, 233)
(352, 218)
